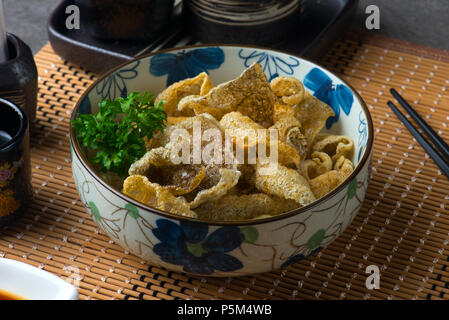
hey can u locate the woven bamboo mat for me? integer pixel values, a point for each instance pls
(402, 228)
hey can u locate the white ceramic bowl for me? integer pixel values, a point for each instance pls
(228, 249)
(28, 282)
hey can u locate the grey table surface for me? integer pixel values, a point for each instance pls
(422, 21)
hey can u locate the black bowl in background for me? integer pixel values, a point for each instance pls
(318, 26)
(249, 22)
(133, 20)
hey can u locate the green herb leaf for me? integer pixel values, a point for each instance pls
(116, 132)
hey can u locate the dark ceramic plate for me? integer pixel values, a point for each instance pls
(320, 24)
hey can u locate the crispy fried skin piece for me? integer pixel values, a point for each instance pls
(141, 189)
(325, 183)
(312, 114)
(161, 138)
(295, 102)
(229, 178)
(249, 94)
(334, 145)
(242, 207)
(289, 132)
(319, 164)
(206, 120)
(344, 165)
(157, 157)
(288, 89)
(198, 86)
(282, 111)
(176, 120)
(179, 179)
(285, 183)
(236, 125)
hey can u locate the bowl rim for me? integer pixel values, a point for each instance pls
(285, 215)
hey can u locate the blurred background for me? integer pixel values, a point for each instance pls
(421, 21)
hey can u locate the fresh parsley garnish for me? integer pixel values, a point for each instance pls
(117, 131)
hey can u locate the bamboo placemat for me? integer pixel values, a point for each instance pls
(403, 227)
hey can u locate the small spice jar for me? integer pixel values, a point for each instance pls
(15, 169)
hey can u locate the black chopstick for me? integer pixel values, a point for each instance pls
(433, 136)
(441, 163)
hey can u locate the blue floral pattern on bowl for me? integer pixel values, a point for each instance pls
(273, 65)
(334, 95)
(188, 245)
(114, 85)
(186, 64)
(298, 257)
(363, 134)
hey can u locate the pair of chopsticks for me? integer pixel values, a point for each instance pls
(442, 160)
